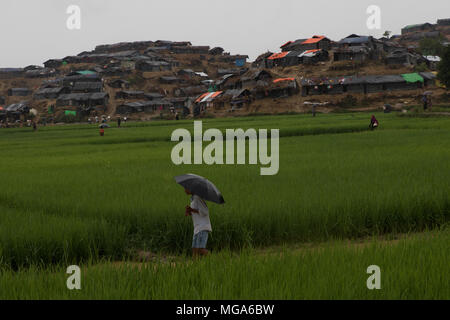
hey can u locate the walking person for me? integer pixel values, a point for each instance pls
(119, 122)
(199, 212)
(425, 102)
(201, 190)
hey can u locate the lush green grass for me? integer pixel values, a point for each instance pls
(413, 268)
(68, 195)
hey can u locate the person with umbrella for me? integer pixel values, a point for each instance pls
(200, 189)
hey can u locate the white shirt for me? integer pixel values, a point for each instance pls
(201, 219)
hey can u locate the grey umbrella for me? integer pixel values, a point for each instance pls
(104, 125)
(201, 187)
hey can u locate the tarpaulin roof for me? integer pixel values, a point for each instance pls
(314, 39)
(278, 55)
(309, 53)
(283, 79)
(412, 77)
(352, 40)
(208, 96)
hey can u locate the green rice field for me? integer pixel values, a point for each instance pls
(69, 196)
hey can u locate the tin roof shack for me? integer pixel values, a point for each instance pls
(253, 77)
(443, 22)
(379, 83)
(216, 51)
(239, 60)
(70, 80)
(153, 66)
(208, 100)
(316, 42)
(227, 82)
(87, 87)
(144, 106)
(284, 59)
(354, 84)
(86, 100)
(123, 46)
(128, 95)
(119, 84)
(417, 27)
(237, 98)
(283, 88)
(169, 80)
(261, 60)
(41, 73)
(354, 53)
(429, 79)
(51, 93)
(19, 92)
(324, 85)
(15, 110)
(153, 96)
(292, 45)
(190, 49)
(10, 73)
(313, 56)
(53, 63)
(192, 91)
(413, 81)
(403, 57)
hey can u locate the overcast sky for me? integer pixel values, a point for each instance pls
(33, 31)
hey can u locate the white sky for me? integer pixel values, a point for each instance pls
(32, 31)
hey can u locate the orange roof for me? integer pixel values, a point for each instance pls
(202, 96)
(314, 39)
(215, 94)
(283, 79)
(311, 51)
(289, 42)
(278, 55)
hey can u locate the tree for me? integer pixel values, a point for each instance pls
(444, 68)
(431, 46)
(387, 34)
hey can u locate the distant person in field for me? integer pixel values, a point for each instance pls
(119, 122)
(34, 126)
(425, 102)
(373, 123)
(102, 132)
(199, 212)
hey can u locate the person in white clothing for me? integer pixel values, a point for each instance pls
(199, 212)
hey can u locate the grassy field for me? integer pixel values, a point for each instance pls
(69, 196)
(415, 267)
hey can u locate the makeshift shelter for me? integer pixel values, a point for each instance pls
(125, 95)
(17, 108)
(293, 45)
(413, 81)
(352, 53)
(261, 60)
(429, 78)
(216, 51)
(316, 42)
(283, 87)
(144, 106)
(51, 93)
(189, 91)
(169, 80)
(19, 92)
(83, 99)
(417, 27)
(70, 80)
(119, 84)
(152, 66)
(41, 73)
(53, 63)
(9, 73)
(325, 85)
(313, 56)
(153, 96)
(86, 87)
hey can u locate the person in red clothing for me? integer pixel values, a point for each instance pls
(102, 132)
(373, 123)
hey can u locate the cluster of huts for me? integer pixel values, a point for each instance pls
(366, 84)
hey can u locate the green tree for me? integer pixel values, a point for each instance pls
(387, 34)
(444, 68)
(431, 46)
